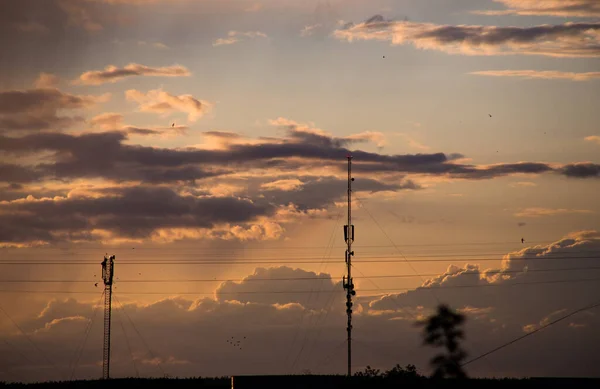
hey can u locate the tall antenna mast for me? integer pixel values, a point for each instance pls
(108, 269)
(347, 280)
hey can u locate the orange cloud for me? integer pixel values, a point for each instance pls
(159, 101)
(287, 185)
(593, 138)
(237, 36)
(537, 74)
(539, 212)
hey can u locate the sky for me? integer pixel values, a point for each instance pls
(204, 144)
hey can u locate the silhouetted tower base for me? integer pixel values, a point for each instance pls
(108, 266)
(347, 280)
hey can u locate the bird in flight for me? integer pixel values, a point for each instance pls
(173, 125)
(522, 240)
(490, 114)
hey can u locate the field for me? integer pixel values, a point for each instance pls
(316, 382)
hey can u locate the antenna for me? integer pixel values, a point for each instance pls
(347, 281)
(108, 269)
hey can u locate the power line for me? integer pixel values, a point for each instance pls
(110, 248)
(532, 332)
(507, 284)
(284, 261)
(215, 257)
(174, 280)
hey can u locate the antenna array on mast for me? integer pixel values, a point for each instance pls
(347, 280)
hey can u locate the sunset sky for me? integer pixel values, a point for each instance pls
(204, 143)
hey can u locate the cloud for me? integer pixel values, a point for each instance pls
(38, 109)
(309, 30)
(287, 332)
(413, 143)
(112, 74)
(111, 121)
(307, 132)
(107, 121)
(133, 213)
(47, 81)
(159, 101)
(593, 138)
(581, 170)
(324, 19)
(562, 40)
(523, 184)
(287, 185)
(238, 36)
(157, 45)
(539, 212)
(254, 7)
(537, 74)
(78, 156)
(304, 169)
(80, 15)
(560, 8)
(284, 279)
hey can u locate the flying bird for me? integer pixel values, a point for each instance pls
(522, 240)
(490, 115)
(96, 284)
(173, 125)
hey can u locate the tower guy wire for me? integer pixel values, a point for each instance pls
(38, 349)
(88, 328)
(347, 283)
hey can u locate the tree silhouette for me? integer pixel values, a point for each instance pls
(442, 330)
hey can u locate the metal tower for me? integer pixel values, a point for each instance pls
(108, 269)
(347, 280)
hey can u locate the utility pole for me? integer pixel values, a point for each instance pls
(347, 280)
(108, 269)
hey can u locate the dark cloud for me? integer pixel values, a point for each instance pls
(105, 155)
(321, 192)
(112, 73)
(499, 35)
(561, 40)
(127, 212)
(222, 134)
(37, 109)
(581, 170)
(561, 8)
(17, 174)
(40, 99)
